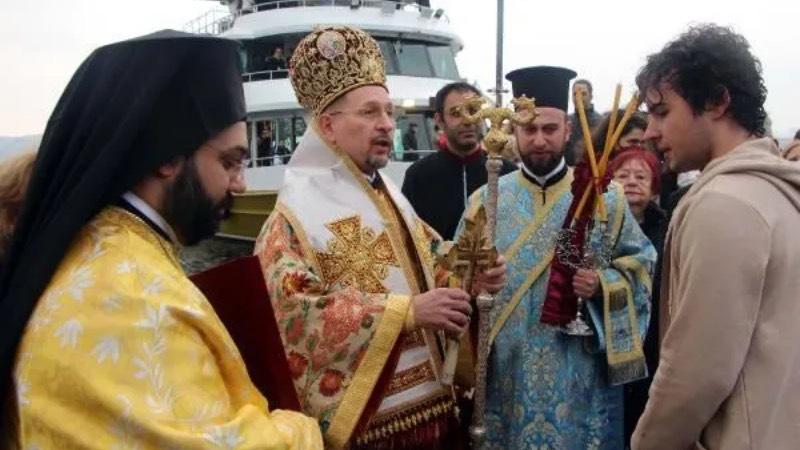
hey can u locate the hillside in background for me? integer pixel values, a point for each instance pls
(12, 145)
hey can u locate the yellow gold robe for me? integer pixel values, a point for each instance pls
(123, 352)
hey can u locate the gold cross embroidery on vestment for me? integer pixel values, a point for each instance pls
(356, 257)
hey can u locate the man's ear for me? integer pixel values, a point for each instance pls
(171, 169)
(439, 120)
(567, 128)
(325, 125)
(717, 109)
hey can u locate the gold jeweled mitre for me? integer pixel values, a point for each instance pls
(332, 61)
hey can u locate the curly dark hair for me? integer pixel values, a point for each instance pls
(704, 63)
(458, 86)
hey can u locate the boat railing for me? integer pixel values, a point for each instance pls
(265, 75)
(387, 6)
(281, 160)
(213, 22)
(218, 21)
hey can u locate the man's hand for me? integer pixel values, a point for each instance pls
(586, 283)
(492, 280)
(445, 309)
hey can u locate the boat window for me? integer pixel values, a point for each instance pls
(413, 136)
(276, 139)
(444, 62)
(267, 58)
(414, 60)
(389, 55)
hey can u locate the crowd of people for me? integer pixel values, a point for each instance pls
(690, 301)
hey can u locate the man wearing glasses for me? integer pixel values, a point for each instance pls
(349, 265)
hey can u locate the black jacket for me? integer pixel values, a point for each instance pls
(439, 185)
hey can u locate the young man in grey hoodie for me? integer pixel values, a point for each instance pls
(729, 375)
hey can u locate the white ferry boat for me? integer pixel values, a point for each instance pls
(418, 44)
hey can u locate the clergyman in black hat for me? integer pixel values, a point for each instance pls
(546, 388)
(104, 342)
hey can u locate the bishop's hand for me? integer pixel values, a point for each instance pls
(445, 309)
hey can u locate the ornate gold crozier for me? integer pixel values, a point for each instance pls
(474, 111)
(472, 253)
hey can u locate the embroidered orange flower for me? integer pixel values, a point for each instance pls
(274, 242)
(293, 283)
(344, 315)
(297, 364)
(319, 360)
(294, 330)
(331, 382)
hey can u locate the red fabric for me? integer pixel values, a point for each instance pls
(374, 402)
(239, 295)
(561, 304)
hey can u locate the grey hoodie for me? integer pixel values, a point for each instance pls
(729, 375)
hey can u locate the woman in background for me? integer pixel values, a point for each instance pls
(792, 151)
(639, 172)
(15, 173)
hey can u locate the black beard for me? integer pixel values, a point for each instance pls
(190, 210)
(542, 168)
(454, 141)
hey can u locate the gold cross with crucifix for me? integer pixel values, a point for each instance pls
(472, 252)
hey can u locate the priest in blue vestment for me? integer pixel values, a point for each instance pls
(547, 389)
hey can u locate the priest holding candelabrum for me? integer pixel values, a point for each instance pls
(566, 331)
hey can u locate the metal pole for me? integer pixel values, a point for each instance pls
(498, 83)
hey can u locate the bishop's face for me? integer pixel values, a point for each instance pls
(541, 144)
(361, 123)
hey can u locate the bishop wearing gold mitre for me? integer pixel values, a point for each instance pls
(349, 266)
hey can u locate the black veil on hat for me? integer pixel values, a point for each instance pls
(547, 84)
(129, 108)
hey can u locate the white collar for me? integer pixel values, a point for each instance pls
(371, 178)
(543, 180)
(148, 211)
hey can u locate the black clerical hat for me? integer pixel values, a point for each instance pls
(130, 107)
(548, 85)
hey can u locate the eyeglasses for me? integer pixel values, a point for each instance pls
(371, 114)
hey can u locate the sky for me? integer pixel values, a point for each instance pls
(42, 42)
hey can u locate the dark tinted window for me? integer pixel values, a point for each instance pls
(387, 49)
(414, 60)
(444, 62)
